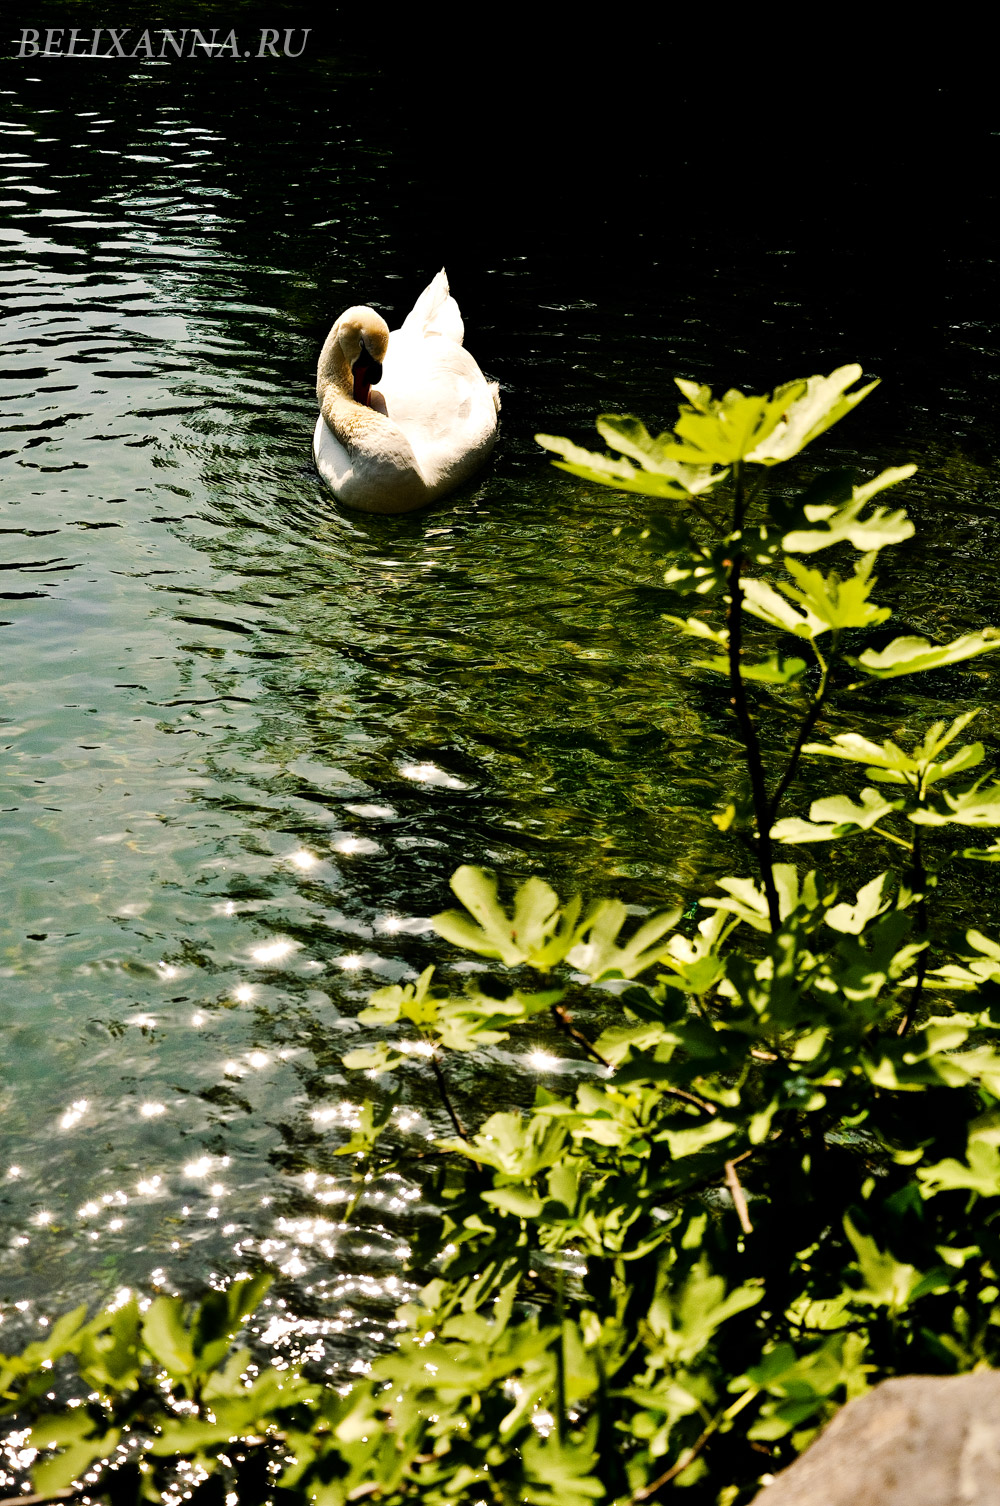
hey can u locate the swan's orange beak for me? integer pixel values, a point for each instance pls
(367, 373)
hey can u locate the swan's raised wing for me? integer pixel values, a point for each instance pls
(435, 313)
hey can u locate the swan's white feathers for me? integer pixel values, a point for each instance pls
(435, 312)
(433, 416)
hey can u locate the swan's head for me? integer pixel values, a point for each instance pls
(363, 337)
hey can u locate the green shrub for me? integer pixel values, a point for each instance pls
(777, 1177)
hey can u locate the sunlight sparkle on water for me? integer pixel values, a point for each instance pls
(349, 1114)
(542, 1061)
(350, 962)
(152, 1110)
(543, 1423)
(303, 859)
(429, 773)
(273, 951)
(74, 1114)
(244, 993)
(356, 844)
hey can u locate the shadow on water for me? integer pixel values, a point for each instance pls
(248, 736)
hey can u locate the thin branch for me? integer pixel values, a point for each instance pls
(808, 723)
(920, 878)
(738, 701)
(57, 1495)
(706, 1108)
(564, 1020)
(739, 1199)
(891, 837)
(690, 1454)
(561, 1354)
(705, 517)
(446, 1097)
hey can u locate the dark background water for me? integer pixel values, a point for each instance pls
(247, 736)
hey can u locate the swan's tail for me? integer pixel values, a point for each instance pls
(436, 312)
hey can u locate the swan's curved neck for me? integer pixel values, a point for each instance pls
(346, 372)
(349, 367)
(334, 369)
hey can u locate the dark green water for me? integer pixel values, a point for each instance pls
(247, 736)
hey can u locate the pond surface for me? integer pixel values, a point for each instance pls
(247, 736)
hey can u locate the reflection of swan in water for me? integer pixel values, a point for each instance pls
(406, 416)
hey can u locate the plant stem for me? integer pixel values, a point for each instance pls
(57, 1495)
(920, 880)
(891, 837)
(696, 507)
(564, 1020)
(690, 1454)
(446, 1098)
(561, 1354)
(738, 701)
(808, 723)
(739, 1199)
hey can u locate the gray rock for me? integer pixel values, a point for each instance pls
(922, 1440)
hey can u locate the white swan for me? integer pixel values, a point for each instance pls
(406, 416)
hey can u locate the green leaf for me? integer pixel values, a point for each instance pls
(977, 806)
(725, 431)
(166, 1337)
(689, 1142)
(599, 955)
(835, 816)
(695, 627)
(409, 1001)
(536, 932)
(885, 760)
(907, 656)
(841, 523)
(852, 919)
(809, 409)
(686, 1319)
(836, 603)
(771, 671)
(622, 475)
(763, 601)
(631, 437)
(745, 899)
(371, 1059)
(888, 1282)
(561, 1474)
(889, 764)
(516, 1200)
(981, 1174)
(54, 1475)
